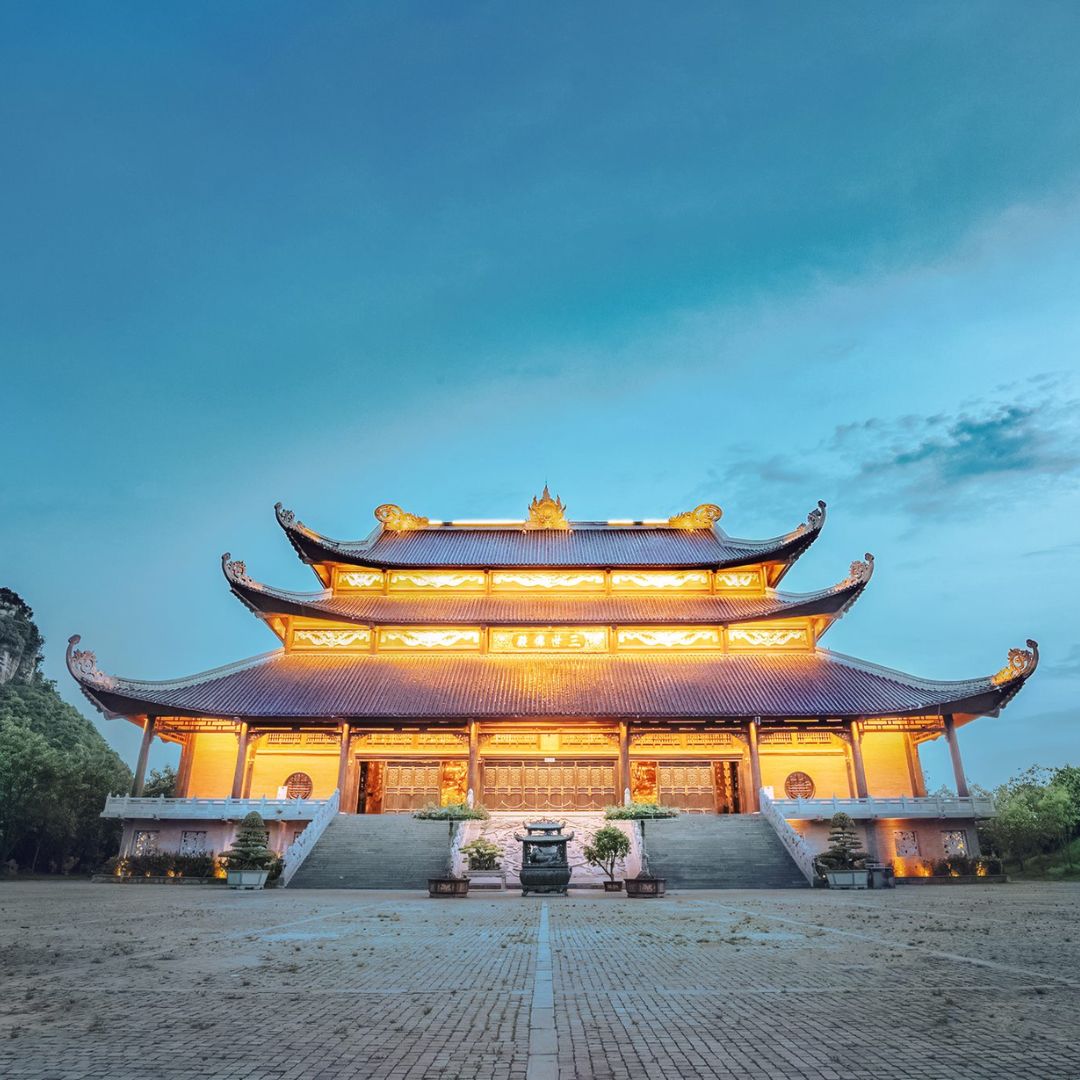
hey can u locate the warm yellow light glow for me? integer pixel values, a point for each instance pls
(359, 580)
(417, 580)
(682, 580)
(690, 638)
(549, 640)
(352, 638)
(768, 637)
(535, 580)
(429, 639)
(737, 580)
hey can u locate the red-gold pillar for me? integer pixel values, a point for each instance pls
(241, 760)
(755, 766)
(861, 790)
(139, 779)
(343, 764)
(954, 753)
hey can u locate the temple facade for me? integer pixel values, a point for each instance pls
(551, 665)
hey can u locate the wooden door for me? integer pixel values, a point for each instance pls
(687, 785)
(548, 785)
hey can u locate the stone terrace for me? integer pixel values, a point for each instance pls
(140, 981)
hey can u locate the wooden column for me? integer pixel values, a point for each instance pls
(343, 766)
(918, 783)
(623, 771)
(954, 753)
(755, 766)
(183, 773)
(861, 790)
(472, 777)
(139, 779)
(241, 759)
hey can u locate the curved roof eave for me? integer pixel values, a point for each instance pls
(376, 609)
(313, 547)
(457, 686)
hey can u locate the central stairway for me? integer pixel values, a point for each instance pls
(376, 851)
(720, 851)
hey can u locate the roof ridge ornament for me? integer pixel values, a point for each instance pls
(235, 570)
(82, 664)
(1021, 663)
(397, 520)
(288, 520)
(547, 512)
(814, 520)
(861, 570)
(704, 516)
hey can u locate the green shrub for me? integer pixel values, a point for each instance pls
(249, 850)
(639, 811)
(608, 845)
(843, 852)
(482, 854)
(451, 812)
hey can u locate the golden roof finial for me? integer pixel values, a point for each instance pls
(546, 512)
(703, 517)
(1021, 663)
(397, 520)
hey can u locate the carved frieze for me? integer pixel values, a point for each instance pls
(460, 639)
(749, 637)
(678, 580)
(689, 638)
(343, 639)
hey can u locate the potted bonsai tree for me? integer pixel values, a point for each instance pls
(485, 870)
(452, 813)
(248, 861)
(645, 884)
(843, 864)
(608, 846)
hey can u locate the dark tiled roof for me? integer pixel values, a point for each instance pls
(410, 610)
(384, 686)
(586, 544)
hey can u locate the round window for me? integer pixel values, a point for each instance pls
(298, 786)
(799, 786)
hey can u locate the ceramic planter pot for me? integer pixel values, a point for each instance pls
(487, 879)
(646, 886)
(442, 887)
(848, 879)
(247, 879)
(612, 886)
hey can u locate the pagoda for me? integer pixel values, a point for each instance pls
(551, 665)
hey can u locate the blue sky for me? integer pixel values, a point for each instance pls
(436, 254)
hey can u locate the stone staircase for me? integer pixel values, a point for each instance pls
(376, 851)
(720, 851)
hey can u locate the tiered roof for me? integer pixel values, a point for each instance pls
(715, 685)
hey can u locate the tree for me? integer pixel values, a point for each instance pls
(249, 850)
(609, 844)
(162, 783)
(843, 852)
(55, 768)
(1036, 811)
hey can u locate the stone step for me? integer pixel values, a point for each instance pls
(720, 852)
(376, 851)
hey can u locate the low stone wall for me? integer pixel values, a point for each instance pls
(501, 826)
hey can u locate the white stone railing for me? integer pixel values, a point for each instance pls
(796, 845)
(301, 847)
(162, 809)
(900, 806)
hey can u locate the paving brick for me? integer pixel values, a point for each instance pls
(99, 981)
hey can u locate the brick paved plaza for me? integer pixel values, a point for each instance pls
(145, 981)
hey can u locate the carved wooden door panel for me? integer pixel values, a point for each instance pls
(548, 785)
(408, 785)
(688, 785)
